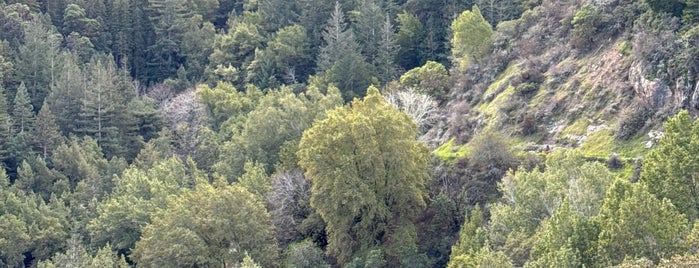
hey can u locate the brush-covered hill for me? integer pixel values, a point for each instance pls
(601, 75)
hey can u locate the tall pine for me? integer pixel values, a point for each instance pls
(47, 135)
(5, 126)
(23, 110)
(340, 60)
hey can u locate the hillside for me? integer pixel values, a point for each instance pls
(604, 82)
(351, 133)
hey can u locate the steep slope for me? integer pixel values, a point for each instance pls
(601, 76)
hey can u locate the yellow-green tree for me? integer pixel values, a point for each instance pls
(208, 227)
(368, 174)
(473, 37)
(670, 170)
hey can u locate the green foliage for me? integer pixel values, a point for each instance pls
(472, 238)
(673, 7)
(304, 254)
(431, 78)
(5, 126)
(670, 168)
(650, 228)
(531, 197)
(368, 173)
(485, 257)
(411, 34)
(22, 110)
(340, 60)
(585, 24)
(255, 180)
(473, 37)
(290, 48)
(208, 226)
(46, 135)
(137, 195)
(567, 239)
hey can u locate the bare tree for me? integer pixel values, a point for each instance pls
(288, 200)
(422, 108)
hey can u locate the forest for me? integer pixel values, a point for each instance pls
(349, 133)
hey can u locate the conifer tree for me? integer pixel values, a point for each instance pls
(340, 60)
(5, 126)
(22, 110)
(47, 135)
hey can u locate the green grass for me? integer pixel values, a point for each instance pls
(578, 127)
(602, 144)
(448, 152)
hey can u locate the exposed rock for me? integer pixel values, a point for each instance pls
(695, 97)
(653, 92)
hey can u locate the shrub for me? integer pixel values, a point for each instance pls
(632, 119)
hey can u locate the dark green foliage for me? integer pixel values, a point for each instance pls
(632, 120)
(673, 7)
(22, 110)
(585, 26)
(6, 127)
(340, 59)
(437, 228)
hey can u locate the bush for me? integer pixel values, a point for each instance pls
(585, 25)
(632, 119)
(615, 162)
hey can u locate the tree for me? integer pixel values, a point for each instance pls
(22, 110)
(431, 79)
(5, 126)
(47, 135)
(633, 222)
(669, 170)
(208, 226)
(169, 19)
(103, 110)
(137, 195)
(304, 254)
(411, 34)
(567, 239)
(367, 172)
(291, 49)
(473, 37)
(36, 63)
(340, 60)
(673, 7)
(388, 48)
(65, 98)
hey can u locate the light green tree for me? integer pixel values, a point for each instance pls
(368, 173)
(633, 222)
(473, 37)
(670, 169)
(208, 226)
(138, 194)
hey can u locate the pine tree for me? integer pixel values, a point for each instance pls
(36, 62)
(47, 135)
(340, 60)
(66, 94)
(169, 19)
(102, 108)
(5, 126)
(388, 48)
(22, 110)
